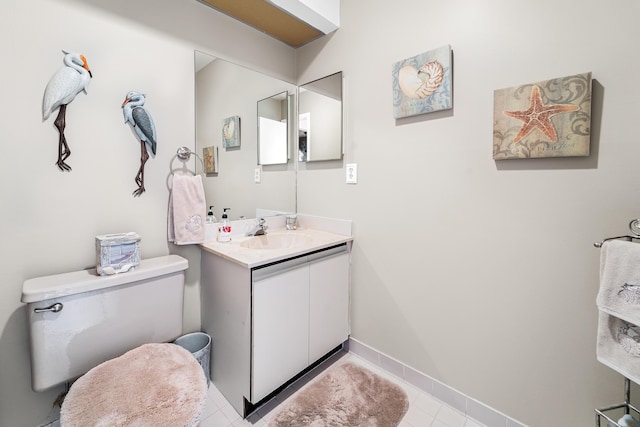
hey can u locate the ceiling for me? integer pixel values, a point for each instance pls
(269, 19)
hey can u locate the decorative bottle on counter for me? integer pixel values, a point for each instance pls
(211, 219)
(224, 232)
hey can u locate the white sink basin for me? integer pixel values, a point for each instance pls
(277, 241)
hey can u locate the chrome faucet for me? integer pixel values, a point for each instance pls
(259, 229)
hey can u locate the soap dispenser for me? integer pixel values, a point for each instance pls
(224, 232)
(210, 217)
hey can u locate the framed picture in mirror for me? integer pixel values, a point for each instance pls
(231, 132)
(210, 156)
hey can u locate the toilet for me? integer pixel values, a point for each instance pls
(111, 330)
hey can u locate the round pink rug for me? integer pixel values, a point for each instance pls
(160, 385)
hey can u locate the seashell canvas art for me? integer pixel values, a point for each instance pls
(423, 83)
(550, 118)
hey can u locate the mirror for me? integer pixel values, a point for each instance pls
(320, 119)
(273, 118)
(224, 90)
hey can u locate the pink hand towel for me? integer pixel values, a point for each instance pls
(187, 209)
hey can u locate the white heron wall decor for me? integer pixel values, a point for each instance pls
(62, 88)
(136, 114)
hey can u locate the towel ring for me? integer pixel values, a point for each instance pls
(634, 228)
(184, 154)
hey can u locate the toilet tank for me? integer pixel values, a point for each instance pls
(78, 320)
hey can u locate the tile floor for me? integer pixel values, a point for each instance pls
(424, 410)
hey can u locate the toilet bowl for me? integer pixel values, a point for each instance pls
(85, 325)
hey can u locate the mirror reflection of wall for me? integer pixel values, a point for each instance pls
(225, 90)
(320, 119)
(304, 125)
(273, 120)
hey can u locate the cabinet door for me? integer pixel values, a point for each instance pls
(328, 304)
(280, 329)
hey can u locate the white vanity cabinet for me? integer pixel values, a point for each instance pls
(269, 323)
(328, 303)
(280, 327)
(300, 311)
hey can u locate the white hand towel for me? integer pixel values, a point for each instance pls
(187, 209)
(618, 340)
(619, 293)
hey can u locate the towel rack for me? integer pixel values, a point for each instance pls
(627, 406)
(634, 227)
(184, 154)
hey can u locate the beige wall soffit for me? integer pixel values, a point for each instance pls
(269, 19)
(321, 14)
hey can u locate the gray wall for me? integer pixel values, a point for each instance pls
(480, 273)
(49, 218)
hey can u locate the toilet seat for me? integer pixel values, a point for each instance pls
(159, 385)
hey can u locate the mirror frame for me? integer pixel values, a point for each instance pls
(275, 153)
(327, 94)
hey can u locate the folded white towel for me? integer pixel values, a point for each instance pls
(619, 293)
(187, 209)
(618, 346)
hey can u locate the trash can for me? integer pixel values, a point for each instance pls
(199, 344)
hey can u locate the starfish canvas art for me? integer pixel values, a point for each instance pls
(210, 156)
(551, 118)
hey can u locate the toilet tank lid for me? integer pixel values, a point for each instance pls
(59, 285)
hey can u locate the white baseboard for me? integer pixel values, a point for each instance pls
(466, 405)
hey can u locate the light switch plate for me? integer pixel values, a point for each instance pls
(256, 176)
(352, 173)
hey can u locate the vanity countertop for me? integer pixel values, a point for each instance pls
(307, 240)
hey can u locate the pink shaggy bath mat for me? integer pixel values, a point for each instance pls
(344, 395)
(160, 385)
